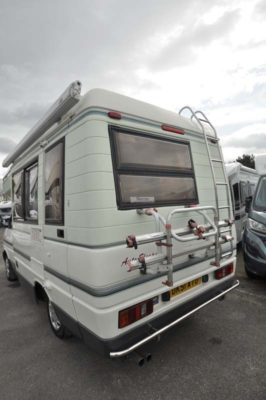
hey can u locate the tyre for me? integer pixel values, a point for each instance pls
(250, 275)
(57, 327)
(10, 273)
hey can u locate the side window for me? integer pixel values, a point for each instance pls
(244, 192)
(54, 184)
(31, 192)
(25, 194)
(252, 189)
(151, 171)
(17, 186)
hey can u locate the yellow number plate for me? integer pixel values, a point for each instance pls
(186, 286)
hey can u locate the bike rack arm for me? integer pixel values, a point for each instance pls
(200, 211)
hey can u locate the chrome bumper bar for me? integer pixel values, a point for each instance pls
(117, 354)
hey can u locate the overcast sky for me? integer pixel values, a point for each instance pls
(208, 54)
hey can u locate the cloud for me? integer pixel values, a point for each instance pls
(248, 139)
(206, 53)
(6, 145)
(182, 49)
(258, 141)
(260, 9)
(23, 115)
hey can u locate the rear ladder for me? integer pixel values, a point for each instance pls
(202, 121)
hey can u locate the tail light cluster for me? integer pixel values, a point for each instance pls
(135, 313)
(224, 271)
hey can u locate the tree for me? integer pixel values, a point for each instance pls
(247, 160)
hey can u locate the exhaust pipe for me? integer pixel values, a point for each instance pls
(142, 357)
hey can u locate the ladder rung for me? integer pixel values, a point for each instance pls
(216, 160)
(221, 183)
(223, 207)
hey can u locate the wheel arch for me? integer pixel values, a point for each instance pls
(40, 292)
(4, 255)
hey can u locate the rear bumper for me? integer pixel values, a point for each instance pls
(130, 341)
(191, 308)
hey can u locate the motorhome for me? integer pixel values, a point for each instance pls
(243, 181)
(122, 218)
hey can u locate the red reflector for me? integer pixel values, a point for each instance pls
(172, 129)
(223, 272)
(135, 313)
(114, 115)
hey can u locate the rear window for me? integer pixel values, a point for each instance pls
(151, 171)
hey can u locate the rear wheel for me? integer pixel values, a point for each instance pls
(10, 273)
(57, 327)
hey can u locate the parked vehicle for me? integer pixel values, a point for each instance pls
(243, 181)
(119, 220)
(5, 213)
(254, 238)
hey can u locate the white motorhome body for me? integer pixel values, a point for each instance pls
(243, 181)
(121, 218)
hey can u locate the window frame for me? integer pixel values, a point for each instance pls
(237, 199)
(22, 171)
(58, 222)
(148, 171)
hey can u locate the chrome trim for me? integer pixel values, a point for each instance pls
(124, 352)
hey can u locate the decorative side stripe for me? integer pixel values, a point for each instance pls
(7, 242)
(22, 254)
(104, 246)
(101, 292)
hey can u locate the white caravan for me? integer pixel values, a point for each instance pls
(122, 218)
(260, 163)
(243, 181)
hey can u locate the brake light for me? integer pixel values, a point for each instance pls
(169, 128)
(114, 115)
(224, 271)
(134, 313)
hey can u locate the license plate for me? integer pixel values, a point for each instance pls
(186, 286)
